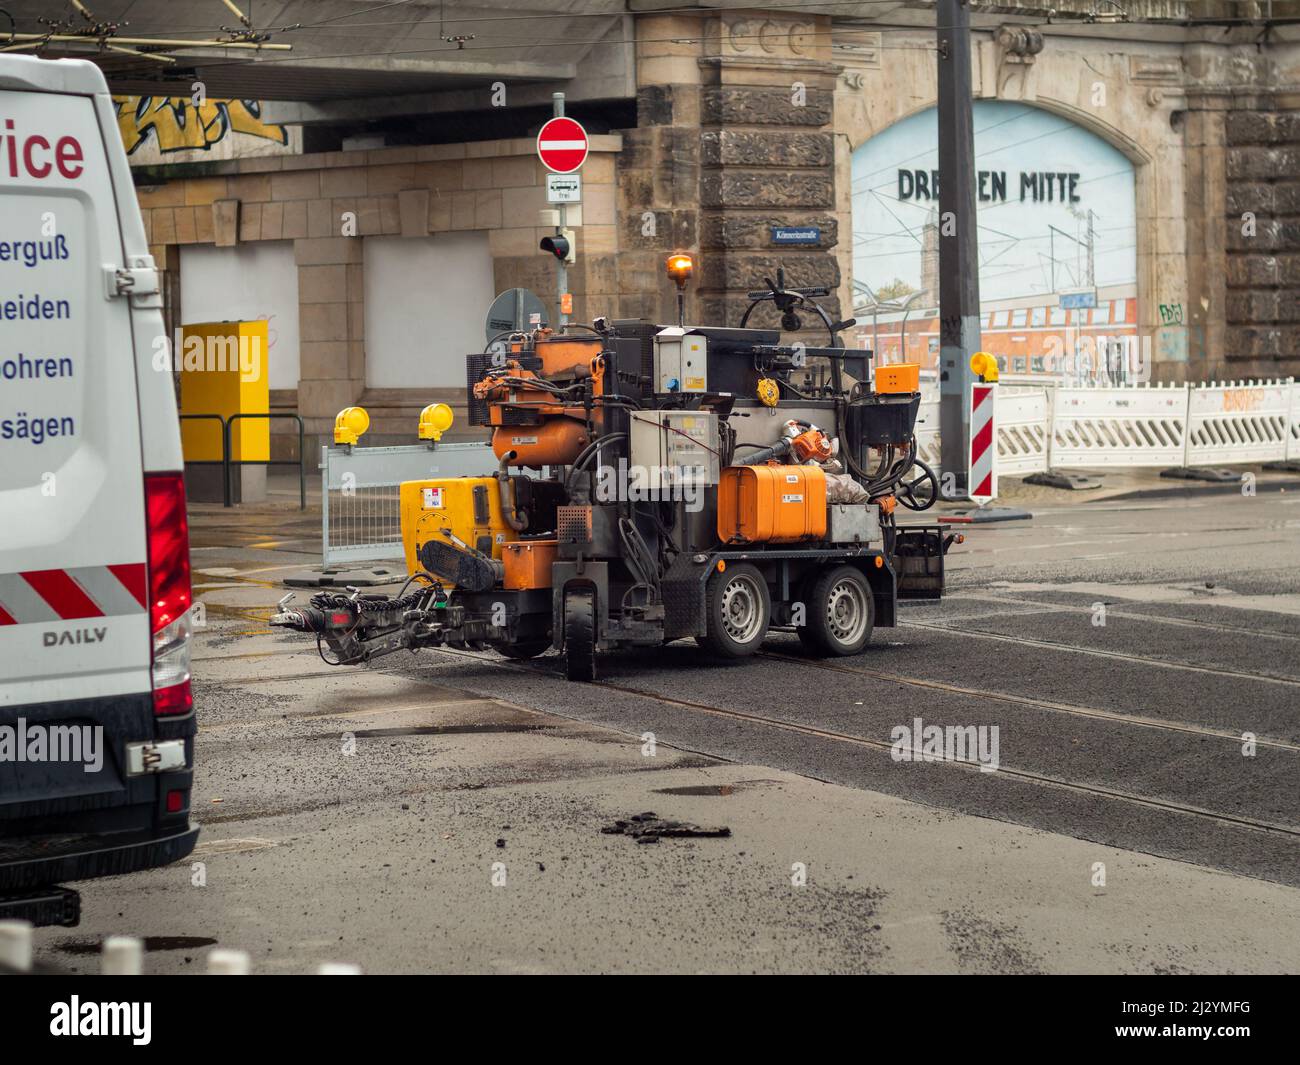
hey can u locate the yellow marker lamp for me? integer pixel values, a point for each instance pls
(435, 420)
(350, 424)
(985, 365)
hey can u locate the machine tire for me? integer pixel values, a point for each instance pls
(841, 613)
(525, 650)
(737, 612)
(580, 635)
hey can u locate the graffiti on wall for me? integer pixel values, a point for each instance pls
(170, 124)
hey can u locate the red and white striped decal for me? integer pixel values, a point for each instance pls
(983, 478)
(50, 595)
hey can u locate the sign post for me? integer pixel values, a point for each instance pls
(959, 287)
(562, 146)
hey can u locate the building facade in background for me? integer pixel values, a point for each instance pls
(369, 193)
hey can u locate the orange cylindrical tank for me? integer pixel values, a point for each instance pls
(771, 504)
(556, 442)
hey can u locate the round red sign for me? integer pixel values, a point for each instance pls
(562, 145)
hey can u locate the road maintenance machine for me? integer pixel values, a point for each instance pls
(657, 483)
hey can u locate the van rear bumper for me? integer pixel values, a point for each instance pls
(41, 860)
(60, 822)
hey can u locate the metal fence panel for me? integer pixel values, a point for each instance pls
(1122, 426)
(1238, 422)
(360, 514)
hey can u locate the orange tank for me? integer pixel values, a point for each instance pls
(771, 504)
(556, 442)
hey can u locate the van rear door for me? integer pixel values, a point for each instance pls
(80, 507)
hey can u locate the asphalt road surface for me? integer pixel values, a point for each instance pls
(1139, 660)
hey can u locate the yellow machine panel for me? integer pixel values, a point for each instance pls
(462, 511)
(771, 504)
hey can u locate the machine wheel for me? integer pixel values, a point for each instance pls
(841, 613)
(737, 611)
(527, 649)
(580, 635)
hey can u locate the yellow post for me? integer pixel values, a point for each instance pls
(224, 371)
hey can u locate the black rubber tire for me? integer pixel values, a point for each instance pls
(824, 632)
(580, 635)
(522, 651)
(717, 637)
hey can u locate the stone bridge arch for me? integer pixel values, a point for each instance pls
(1127, 93)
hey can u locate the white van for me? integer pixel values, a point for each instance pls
(96, 715)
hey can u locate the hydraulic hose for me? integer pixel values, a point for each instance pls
(585, 456)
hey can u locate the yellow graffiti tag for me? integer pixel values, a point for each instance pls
(181, 126)
(1242, 399)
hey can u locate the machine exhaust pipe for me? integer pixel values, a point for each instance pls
(516, 521)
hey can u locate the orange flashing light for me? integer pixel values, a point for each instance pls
(680, 267)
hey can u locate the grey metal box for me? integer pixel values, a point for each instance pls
(852, 523)
(671, 448)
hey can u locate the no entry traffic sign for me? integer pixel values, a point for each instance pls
(562, 145)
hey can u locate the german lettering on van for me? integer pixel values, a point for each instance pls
(94, 552)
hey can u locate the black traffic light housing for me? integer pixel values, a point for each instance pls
(561, 245)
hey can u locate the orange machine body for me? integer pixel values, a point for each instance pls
(557, 441)
(771, 504)
(528, 563)
(900, 377)
(563, 355)
(519, 397)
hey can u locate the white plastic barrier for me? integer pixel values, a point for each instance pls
(1141, 426)
(1021, 423)
(1293, 424)
(1238, 422)
(927, 430)
(1046, 426)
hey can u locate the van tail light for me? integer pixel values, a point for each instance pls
(168, 535)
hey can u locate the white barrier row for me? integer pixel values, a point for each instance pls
(1239, 423)
(1051, 427)
(124, 956)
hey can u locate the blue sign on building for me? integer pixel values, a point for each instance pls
(796, 235)
(1078, 301)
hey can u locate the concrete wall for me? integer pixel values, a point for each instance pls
(247, 282)
(746, 120)
(426, 299)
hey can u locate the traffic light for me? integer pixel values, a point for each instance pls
(563, 245)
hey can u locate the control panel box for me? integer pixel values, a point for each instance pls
(674, 447)
(681, 361)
